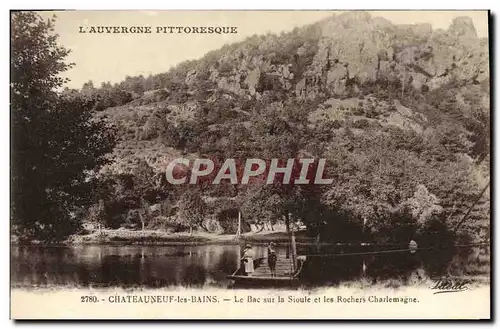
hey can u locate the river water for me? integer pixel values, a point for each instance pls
(209, 265)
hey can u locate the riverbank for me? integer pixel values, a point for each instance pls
(153, 237)
(161, 238)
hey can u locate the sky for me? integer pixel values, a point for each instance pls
(111, 57)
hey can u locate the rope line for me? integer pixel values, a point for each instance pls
(390, 251)
(387, 251)
(358, 253)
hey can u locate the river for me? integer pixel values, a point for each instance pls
(208, 265)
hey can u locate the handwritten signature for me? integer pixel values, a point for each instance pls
(443, 285)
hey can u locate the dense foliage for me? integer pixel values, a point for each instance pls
(57, 143)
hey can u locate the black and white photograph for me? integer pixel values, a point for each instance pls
(286, 164)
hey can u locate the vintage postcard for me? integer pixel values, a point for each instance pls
(250, 165)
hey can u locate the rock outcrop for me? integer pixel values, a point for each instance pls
(350, 50)
(357, 47)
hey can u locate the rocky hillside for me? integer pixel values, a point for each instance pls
(334, 86)
(333, 63)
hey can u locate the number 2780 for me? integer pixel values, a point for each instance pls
(88, 299)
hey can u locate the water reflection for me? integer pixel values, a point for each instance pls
(402, 267)
(153, 266)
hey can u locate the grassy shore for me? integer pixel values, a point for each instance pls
(153, 237)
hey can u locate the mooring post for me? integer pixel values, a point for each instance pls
(239, 224)
(294, 253)
(294, 247)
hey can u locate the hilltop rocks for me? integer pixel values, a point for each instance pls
(231, 84)
(410, 34)
(252, 80)
(358, 47)
(350, 50)
(300, 88)
(463, 27)
(337, 77)
(465, 59)
(284, 75)
(190, 77)
(352, 38)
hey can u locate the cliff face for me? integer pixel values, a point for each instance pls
(350, 50)
(358, 48)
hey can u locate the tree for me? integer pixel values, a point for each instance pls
(143, 213)
(260, 206)
(88, 88)
(423, 204)
(146, 189)
(96, 214)
(58, 145)
(191, 209)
